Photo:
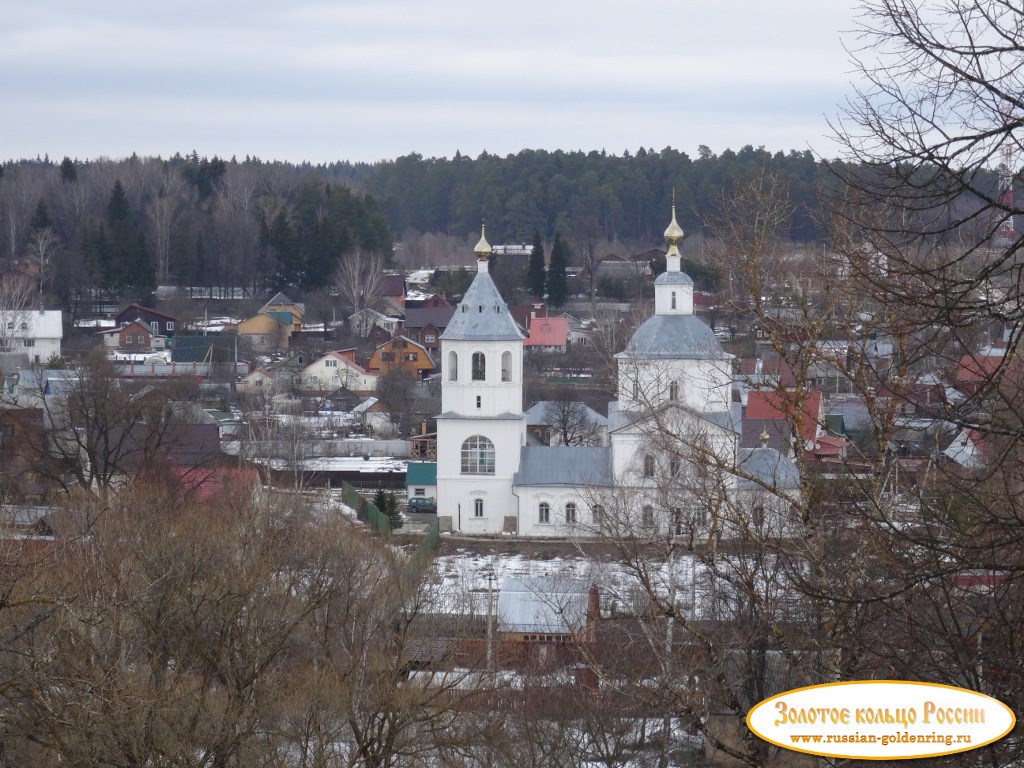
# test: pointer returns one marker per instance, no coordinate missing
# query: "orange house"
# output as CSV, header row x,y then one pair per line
x,y
403,354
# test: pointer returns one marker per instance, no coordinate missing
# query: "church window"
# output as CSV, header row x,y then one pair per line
x,y
598,512
479,366
673,390
678,523
758,517
479,401
673,299
636,390
506,366
570,513
453,366
477,456
478,507
674,465
544,513
647,516
648,465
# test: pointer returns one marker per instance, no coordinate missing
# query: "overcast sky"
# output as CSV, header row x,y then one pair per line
x,y
324,80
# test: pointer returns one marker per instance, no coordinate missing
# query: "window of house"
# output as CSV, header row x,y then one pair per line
x,y
419,491
673,390
479,366
10,326
388,357
453,366
506,366
169,325
570,513
544,513
678,522
331,363
429,338
28,343
648,466
478,507
24,326
477,456
647,516
410,357
155,326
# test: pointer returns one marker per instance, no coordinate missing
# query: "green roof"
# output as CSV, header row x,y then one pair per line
x,y
421,473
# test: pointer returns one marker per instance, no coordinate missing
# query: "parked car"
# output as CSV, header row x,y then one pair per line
x,y
422,504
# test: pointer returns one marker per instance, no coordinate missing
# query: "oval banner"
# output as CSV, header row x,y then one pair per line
x,y
881,720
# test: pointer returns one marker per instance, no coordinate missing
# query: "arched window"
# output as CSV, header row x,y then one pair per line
x,y
544,513
479,366
598,512
478,507
647,516
506,366
453,366
477,456
673,299
636,389
674,465
648,466
758,517
673,390
570,513
678,527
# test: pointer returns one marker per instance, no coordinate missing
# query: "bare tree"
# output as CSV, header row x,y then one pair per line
x,y
571,421
358,280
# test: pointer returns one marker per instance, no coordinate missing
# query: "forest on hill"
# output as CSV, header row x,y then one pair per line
x,y
124,226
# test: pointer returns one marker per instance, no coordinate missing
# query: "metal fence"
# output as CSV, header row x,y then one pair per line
x,y
368,513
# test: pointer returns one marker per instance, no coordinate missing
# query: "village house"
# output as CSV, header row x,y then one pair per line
x,y
135,336
404,354
36,332
335,370
160,323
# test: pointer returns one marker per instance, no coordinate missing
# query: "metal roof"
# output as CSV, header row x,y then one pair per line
x,y
767,467
681,337
538,414
564,465
673,278
482,315
421,473
542,605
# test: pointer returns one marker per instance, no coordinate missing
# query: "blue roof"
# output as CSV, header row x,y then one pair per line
x,y
767,468
421,473
681,337
574,466
482,315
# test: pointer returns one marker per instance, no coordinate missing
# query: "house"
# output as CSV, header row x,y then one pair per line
x,y
161,323
337,369
417,300
37,332
136,336
365,320
776,413
401,353
548,334
426,325
280,304
266,332
393,287
421,479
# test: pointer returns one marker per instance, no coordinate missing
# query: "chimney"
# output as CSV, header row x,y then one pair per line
x,y
593,613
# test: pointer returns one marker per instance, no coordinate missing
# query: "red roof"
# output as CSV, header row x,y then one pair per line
x,y
975,369
774,406
548,332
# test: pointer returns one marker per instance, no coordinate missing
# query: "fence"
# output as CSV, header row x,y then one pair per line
x,y
367,512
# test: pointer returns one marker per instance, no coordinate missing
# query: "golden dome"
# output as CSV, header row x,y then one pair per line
x,y
674,233
483,248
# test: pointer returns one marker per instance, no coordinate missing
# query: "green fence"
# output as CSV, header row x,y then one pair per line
x,y
367,512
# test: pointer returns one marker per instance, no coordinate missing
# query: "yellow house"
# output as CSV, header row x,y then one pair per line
x,y
404,354
266,332
281,303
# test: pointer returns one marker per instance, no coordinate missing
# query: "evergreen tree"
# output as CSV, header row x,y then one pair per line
x,y
41,218
558,286
535,277
68,171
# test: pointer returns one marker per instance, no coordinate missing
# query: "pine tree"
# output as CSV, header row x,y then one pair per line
x,y
535,277
558,286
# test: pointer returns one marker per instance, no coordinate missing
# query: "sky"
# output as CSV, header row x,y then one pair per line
x,y
328,80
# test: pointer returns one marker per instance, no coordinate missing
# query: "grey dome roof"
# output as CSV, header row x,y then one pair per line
x,y
767,467
482,315
673,278
682,337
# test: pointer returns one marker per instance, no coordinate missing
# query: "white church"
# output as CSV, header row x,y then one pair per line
x,y
673,464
